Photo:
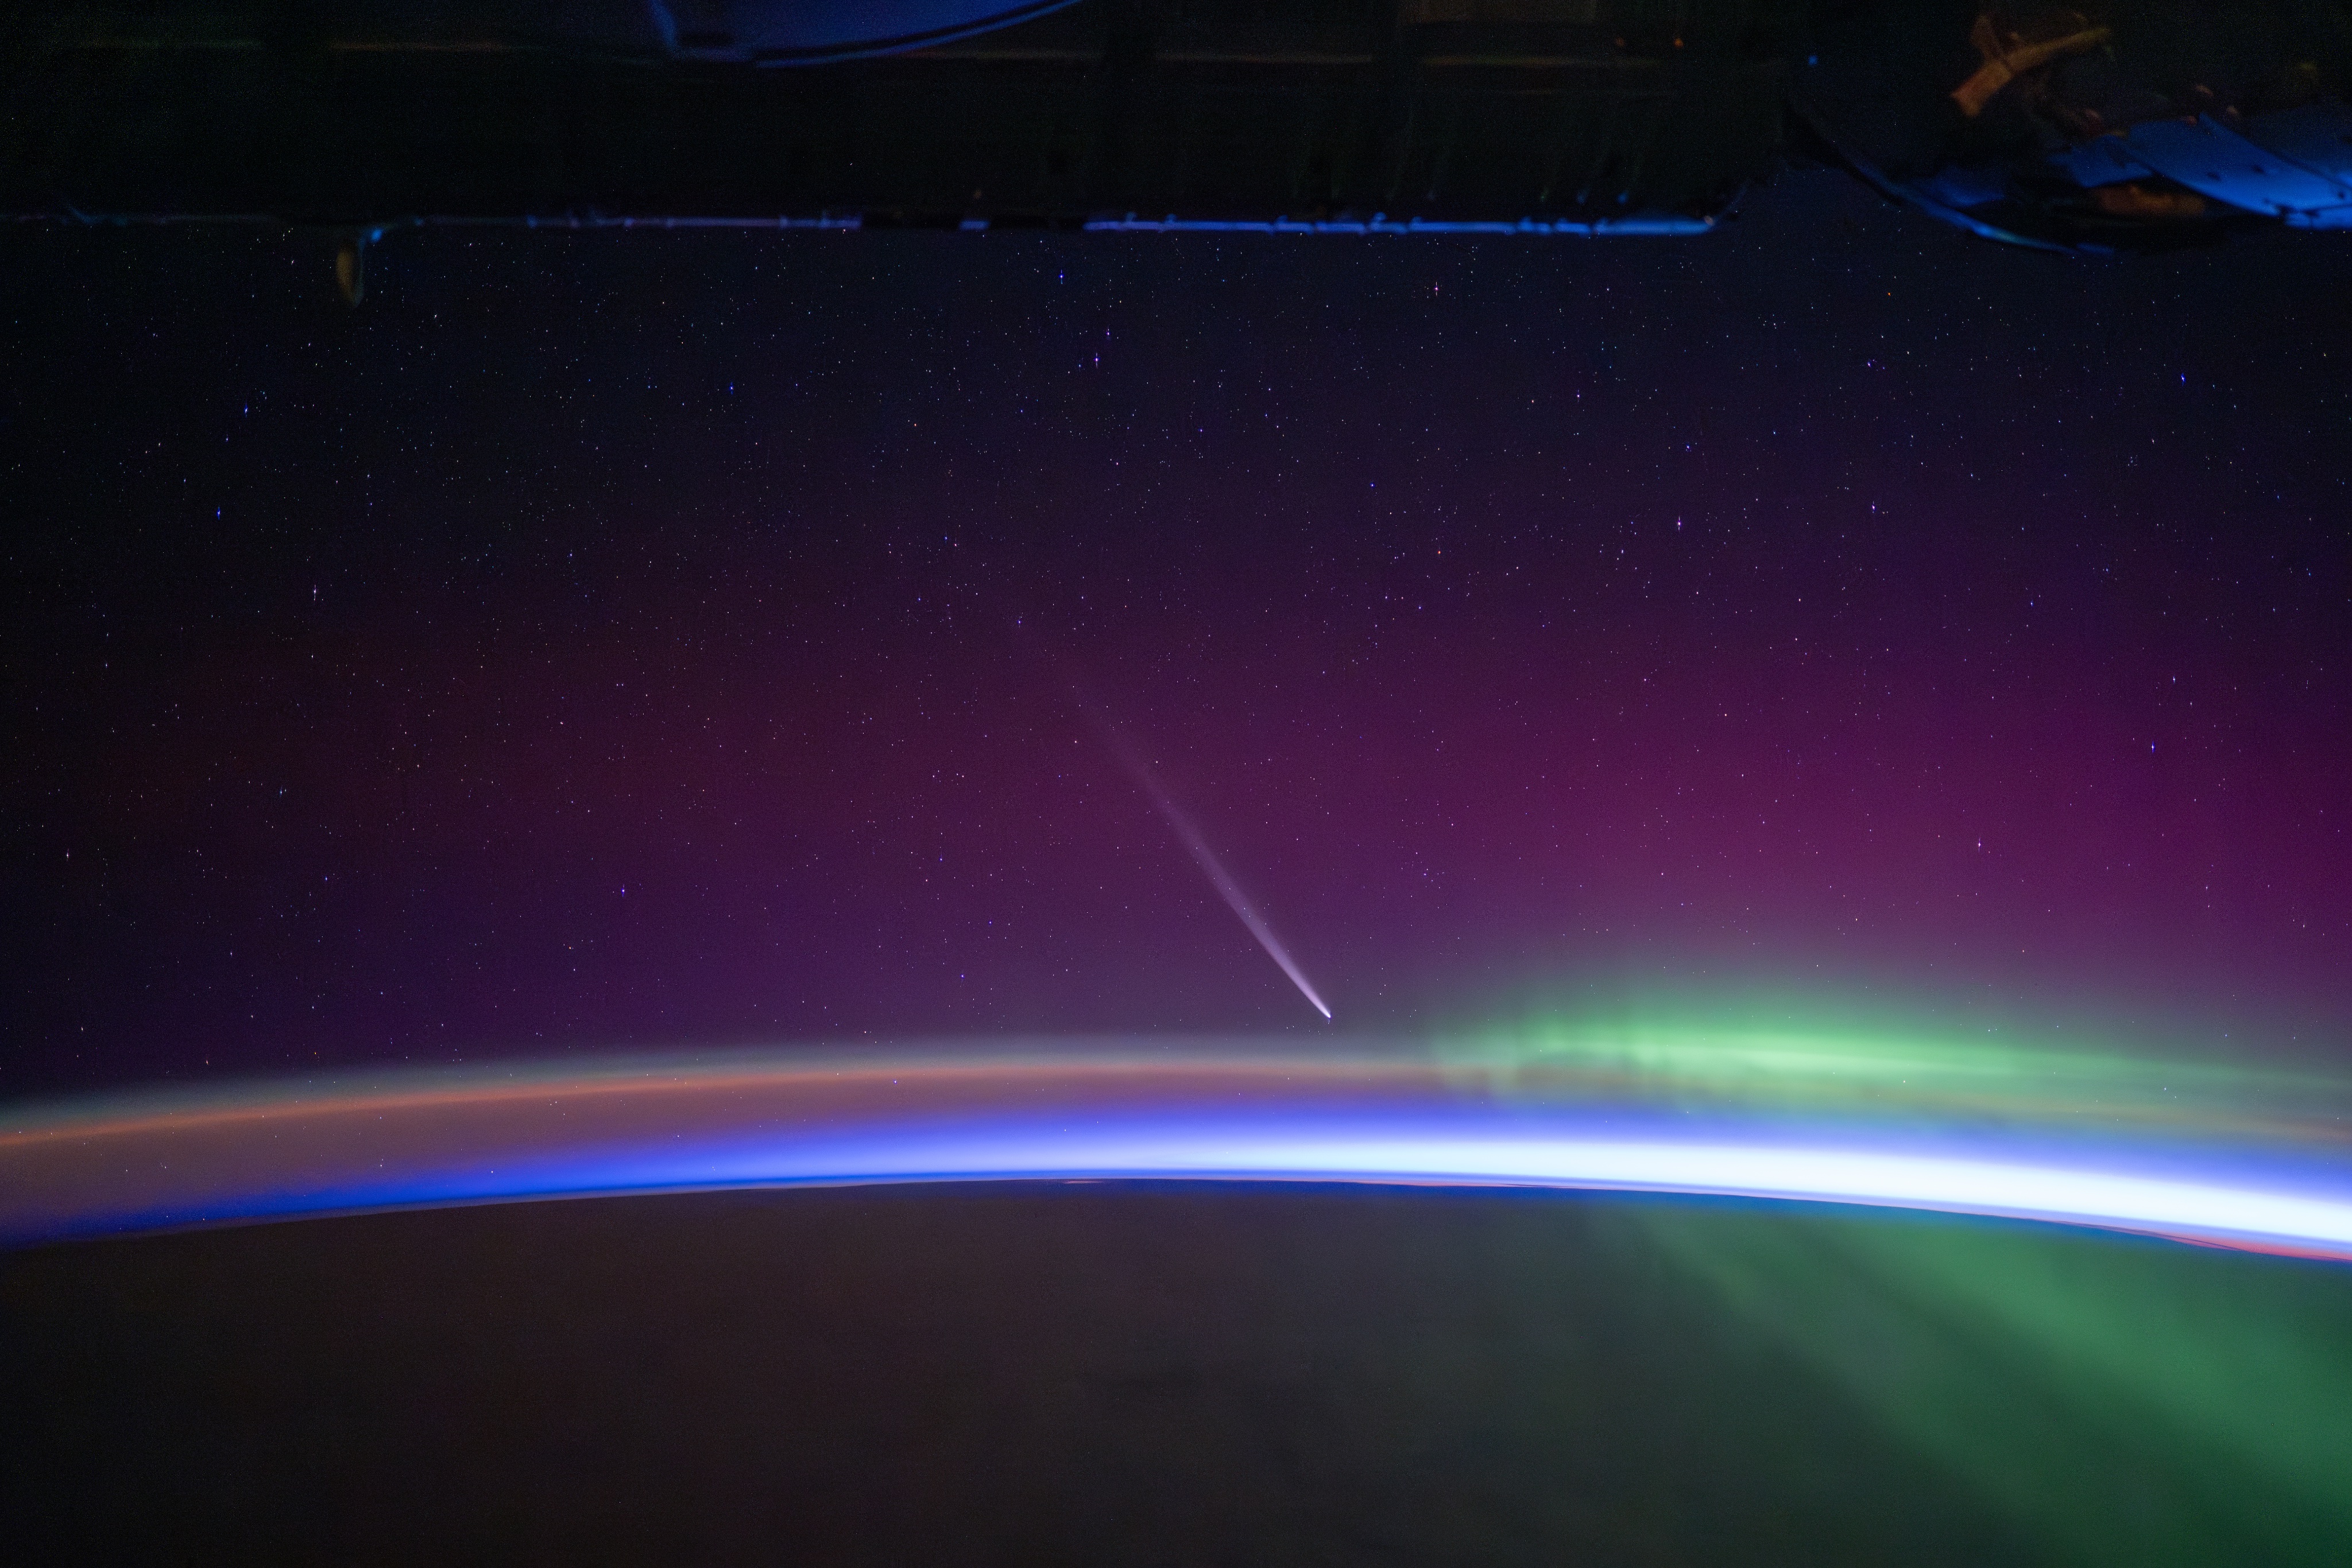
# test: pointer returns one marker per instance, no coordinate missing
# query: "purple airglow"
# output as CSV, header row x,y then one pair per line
x,y
397,1142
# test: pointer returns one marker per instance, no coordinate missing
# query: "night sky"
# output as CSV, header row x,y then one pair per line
x,y
643,641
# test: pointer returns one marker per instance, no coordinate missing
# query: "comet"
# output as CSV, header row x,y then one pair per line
x,y
1206,859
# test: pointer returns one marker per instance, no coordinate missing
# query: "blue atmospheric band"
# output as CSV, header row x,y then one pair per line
x,y
2198,1193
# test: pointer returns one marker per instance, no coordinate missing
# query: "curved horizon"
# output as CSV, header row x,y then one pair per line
x,y
654,1124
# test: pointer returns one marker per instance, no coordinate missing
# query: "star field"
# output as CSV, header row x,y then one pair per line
x,y
656,640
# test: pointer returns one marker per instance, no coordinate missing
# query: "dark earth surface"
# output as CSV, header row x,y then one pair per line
x,y
1153,1376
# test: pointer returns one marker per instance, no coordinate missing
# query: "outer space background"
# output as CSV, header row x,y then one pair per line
x,y
660,640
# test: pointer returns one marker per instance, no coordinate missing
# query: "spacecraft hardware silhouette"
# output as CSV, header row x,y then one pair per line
x,y
2104,125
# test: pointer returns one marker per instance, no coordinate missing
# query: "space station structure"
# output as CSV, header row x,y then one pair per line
x,y
2095,125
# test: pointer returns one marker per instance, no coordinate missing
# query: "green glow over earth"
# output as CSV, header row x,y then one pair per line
x,y
2117,1400
1821,1055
